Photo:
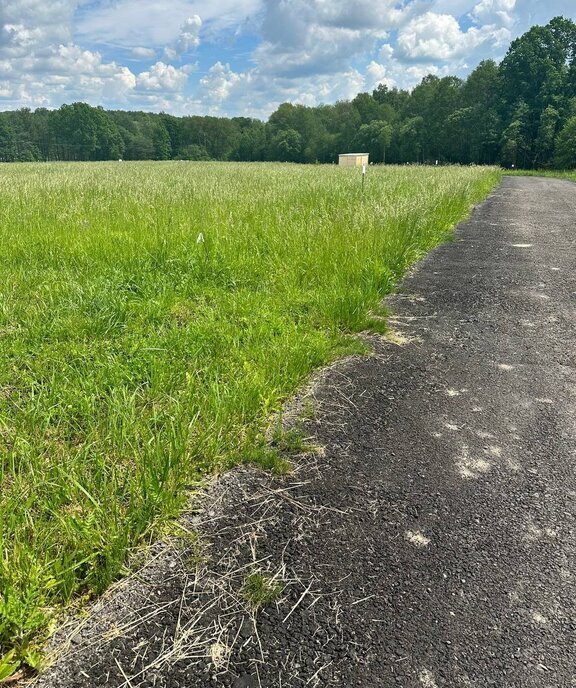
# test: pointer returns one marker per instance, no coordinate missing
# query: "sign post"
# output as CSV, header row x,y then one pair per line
x,y
363,176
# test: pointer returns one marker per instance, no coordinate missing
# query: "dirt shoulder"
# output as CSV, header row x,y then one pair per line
x,y
432,542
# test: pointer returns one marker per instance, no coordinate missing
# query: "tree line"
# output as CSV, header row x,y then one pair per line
x,y
521,112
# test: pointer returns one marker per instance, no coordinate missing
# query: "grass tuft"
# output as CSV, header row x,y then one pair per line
x,y
261,589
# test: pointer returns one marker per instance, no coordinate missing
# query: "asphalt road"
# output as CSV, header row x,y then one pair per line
x,y
433,544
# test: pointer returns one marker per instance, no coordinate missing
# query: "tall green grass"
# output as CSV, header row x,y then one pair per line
x,y
152,318
560,174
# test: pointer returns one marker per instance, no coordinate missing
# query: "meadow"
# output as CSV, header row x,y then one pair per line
x,y
153,319
558,174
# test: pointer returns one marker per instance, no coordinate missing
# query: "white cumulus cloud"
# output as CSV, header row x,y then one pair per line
x,y
162,77
376,74
34,24
43,66
188,39
217,85
439,37
305,37
189,35
498,12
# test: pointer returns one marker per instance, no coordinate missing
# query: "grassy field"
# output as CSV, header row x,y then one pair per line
x,y
153,317
561,174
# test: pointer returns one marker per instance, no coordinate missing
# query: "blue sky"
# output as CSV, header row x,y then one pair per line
x,y
244,57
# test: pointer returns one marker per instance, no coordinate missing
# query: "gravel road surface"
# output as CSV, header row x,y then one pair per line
x,y
432,544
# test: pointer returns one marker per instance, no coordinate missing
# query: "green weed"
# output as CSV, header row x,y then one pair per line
x,y
261,589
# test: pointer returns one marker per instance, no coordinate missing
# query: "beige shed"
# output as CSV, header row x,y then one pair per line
x,y
353,159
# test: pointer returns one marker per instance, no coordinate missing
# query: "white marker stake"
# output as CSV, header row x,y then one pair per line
x,y
363,175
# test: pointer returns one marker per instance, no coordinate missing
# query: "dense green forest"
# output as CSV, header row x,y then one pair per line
x,y
521,112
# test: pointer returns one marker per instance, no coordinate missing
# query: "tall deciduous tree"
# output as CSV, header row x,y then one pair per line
x,y
81,132
537,70
546,137
516,138
7,143
565,153
375,138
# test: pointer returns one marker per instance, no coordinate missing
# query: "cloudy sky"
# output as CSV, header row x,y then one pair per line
x,y
244,57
